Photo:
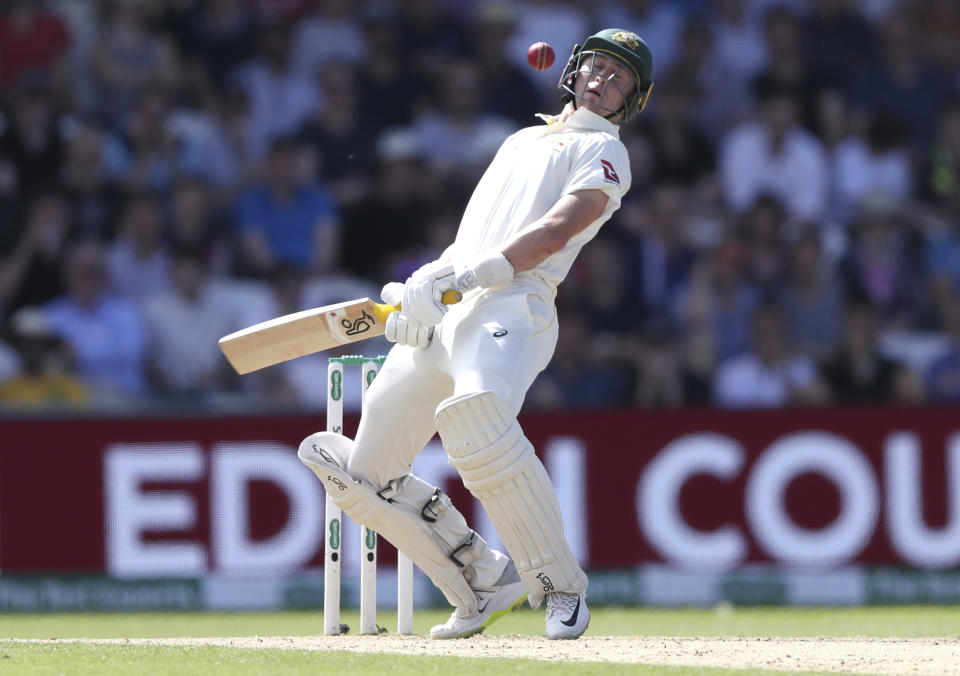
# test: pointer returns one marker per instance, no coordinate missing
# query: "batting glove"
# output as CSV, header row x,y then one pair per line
x,y
423,291
404,331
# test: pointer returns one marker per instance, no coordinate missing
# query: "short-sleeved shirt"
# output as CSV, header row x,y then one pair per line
x,y
533,169
108,340
289,227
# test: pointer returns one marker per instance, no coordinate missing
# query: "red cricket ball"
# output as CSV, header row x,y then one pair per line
x,y
540,55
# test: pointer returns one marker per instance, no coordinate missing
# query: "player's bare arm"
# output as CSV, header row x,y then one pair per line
x,y
569,216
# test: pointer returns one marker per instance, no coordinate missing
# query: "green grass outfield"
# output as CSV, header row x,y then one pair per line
x,y
109,660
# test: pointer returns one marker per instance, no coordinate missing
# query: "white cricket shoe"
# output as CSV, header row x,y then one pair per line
x,y
567,615
505,596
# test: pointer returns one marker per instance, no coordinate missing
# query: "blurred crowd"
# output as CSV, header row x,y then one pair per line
x,y
172,170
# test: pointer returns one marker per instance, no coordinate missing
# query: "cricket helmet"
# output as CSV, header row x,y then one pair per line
x,y
628,49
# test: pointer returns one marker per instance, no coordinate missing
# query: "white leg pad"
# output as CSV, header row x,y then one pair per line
x,y
498,465
414,516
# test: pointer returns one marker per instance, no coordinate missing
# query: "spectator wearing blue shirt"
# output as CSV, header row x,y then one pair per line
x,y
286,220
943,375
105,332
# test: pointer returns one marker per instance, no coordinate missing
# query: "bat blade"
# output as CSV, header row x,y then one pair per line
x,y
302,333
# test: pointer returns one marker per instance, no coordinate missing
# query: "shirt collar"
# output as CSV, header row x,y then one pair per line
x,y
582,119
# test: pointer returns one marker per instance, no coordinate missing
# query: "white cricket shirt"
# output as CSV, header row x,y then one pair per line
x,y
533,169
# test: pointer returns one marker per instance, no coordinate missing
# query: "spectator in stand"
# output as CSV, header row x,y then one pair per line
x,y
938,21
787,62
195,225
659,259
657,21
723,98
720,294
770,374
837,40
664,378
280,97
341,138
214,37
882,265
508,90
603,291
812,298
900,82
183,326
877,166
402,190
32,40
159,146
45,379
942,378
774,154
386,76
939,176
460,136
330,33
104,331
857,372
942,269
430,34
31,139
580,376
557,22
31,274
138,260
89,176
681,151
760,230
288,219
128,55
739,45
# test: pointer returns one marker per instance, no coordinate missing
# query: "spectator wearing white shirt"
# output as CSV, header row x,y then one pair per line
x,y
877,166
770,374
183,326
774,154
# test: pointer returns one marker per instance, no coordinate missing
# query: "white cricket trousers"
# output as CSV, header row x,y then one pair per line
x,y
497,341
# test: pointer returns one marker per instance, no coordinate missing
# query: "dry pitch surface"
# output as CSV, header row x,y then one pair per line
x,y
930,656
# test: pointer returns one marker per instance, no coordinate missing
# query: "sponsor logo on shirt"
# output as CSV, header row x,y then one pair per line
x,y
609,174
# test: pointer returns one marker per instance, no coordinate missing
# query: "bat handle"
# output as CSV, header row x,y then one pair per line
x,y
451,297
382,311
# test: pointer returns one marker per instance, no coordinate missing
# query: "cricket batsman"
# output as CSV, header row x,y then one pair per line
x,y
463,370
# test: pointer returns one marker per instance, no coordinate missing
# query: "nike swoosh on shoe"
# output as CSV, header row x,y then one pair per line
x,y
573,618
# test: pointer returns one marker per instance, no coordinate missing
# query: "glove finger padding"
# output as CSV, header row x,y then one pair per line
x,y
422,294
401,329
392,293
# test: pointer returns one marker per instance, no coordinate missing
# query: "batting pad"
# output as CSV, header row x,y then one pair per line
x,y
414,516
498,465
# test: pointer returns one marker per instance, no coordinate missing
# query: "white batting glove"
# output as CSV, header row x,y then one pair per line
x,y
423,291
392,293
403,330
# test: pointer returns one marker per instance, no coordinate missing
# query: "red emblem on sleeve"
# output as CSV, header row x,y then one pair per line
x,y
609,173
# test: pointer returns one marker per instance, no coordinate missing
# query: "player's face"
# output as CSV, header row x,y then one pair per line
x,y
603,84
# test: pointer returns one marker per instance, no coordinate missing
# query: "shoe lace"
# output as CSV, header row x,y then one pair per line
x,y
561,604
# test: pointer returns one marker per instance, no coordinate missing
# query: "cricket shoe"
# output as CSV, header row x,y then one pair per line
x,y
567,615
505,596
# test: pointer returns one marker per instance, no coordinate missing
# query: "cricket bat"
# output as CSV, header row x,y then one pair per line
x,y
302,333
